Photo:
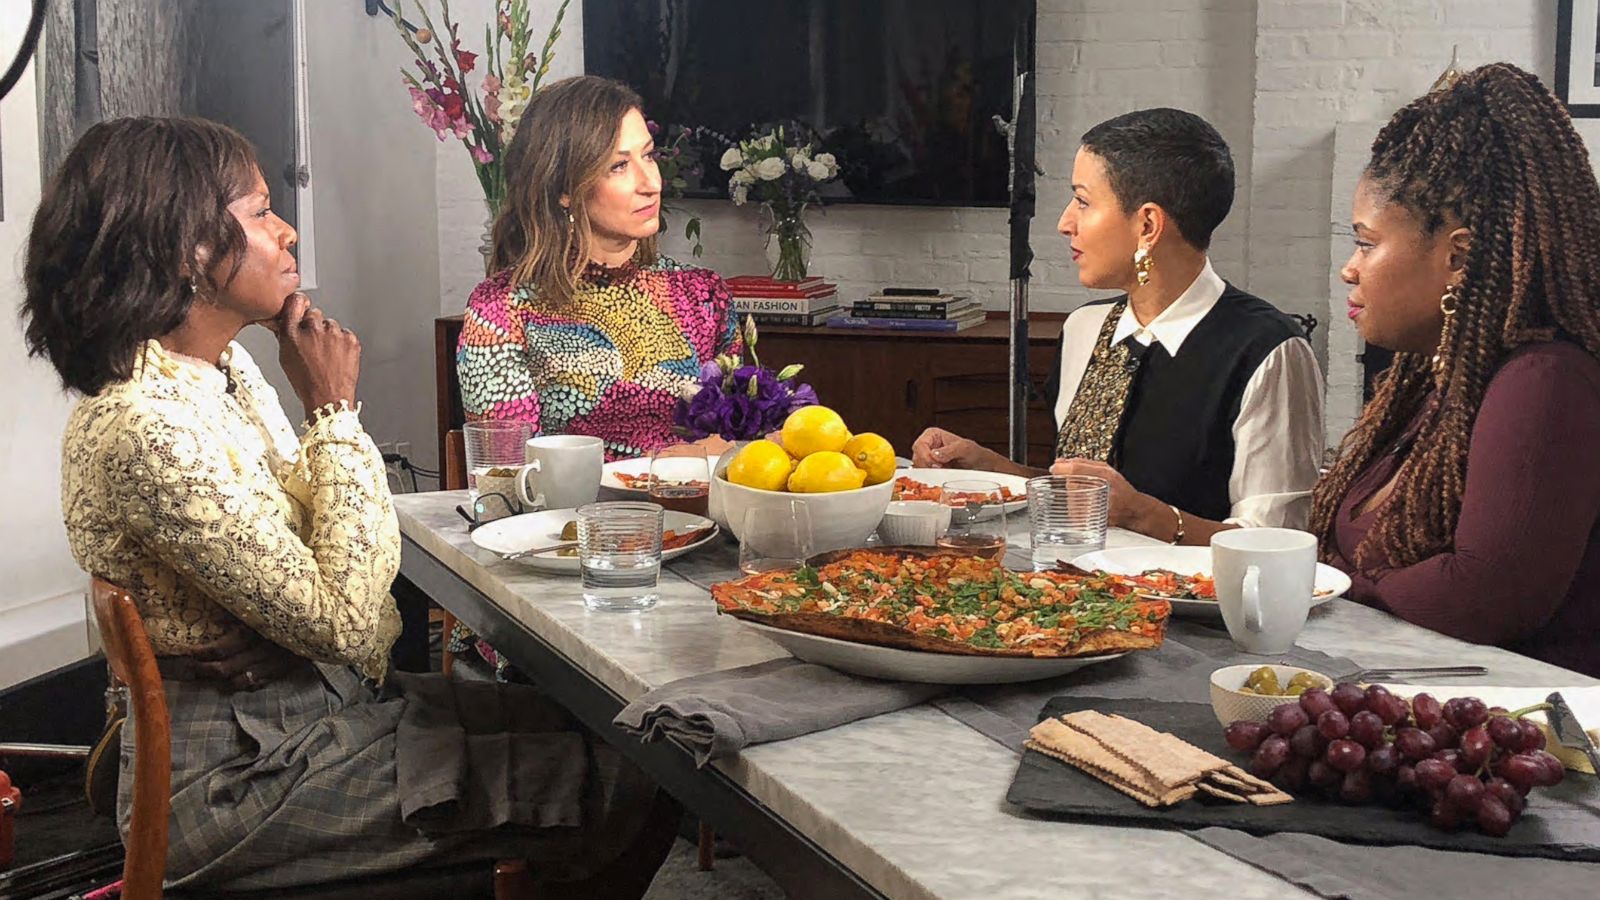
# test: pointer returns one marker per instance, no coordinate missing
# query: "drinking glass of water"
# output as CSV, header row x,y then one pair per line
x,y
494,449
619,554
1067,517
775,538
680,479
977,518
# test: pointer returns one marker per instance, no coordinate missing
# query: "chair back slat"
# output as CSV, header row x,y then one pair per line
x,y
133,662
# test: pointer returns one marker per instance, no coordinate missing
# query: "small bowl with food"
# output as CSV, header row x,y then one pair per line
x,y
1252,692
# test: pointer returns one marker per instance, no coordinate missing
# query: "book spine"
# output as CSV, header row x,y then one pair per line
x,y
800,319
781,304
778,287
895,324
910,292
896,312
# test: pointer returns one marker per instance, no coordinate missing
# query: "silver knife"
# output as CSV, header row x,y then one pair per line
x,y
1568,732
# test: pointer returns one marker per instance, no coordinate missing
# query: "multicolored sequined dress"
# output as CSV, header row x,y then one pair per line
x,y
609,363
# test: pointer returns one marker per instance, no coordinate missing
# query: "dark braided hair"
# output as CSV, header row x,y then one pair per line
x,y
1496,153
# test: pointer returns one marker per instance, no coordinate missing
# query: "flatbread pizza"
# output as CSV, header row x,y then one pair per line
x,y
945,602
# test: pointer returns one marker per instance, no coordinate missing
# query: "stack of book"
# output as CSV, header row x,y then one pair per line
x,y
912,309
809,301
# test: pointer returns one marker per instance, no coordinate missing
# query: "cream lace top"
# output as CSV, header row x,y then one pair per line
x,y
205,506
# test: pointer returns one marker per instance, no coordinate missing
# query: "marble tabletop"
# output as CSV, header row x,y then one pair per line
x,y
913,801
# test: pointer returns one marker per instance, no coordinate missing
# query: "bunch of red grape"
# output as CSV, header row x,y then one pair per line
x,y
1461,761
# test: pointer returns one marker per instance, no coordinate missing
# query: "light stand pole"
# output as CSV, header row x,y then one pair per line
x,y
1019,134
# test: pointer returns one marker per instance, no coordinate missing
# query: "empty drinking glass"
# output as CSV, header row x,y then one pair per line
x,y
680,479
775,538
977,518
495,449
619,555
1067,516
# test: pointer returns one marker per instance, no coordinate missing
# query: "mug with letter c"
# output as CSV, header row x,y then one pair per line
x,y
563,472
1264,579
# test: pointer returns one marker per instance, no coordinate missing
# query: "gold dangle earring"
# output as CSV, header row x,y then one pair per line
x,y
1448,302
1143,265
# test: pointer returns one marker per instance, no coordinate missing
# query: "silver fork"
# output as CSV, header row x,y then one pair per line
x,y
1398,673
535,551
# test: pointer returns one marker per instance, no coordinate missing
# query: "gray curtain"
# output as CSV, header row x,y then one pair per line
x,y
107,58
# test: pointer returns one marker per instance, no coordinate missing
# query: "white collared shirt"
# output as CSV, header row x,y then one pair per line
x,y
1277,434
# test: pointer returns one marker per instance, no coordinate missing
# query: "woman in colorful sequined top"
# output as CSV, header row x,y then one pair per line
x,y
583,328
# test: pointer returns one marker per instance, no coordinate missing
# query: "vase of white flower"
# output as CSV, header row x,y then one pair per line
x,y
788,243
783,178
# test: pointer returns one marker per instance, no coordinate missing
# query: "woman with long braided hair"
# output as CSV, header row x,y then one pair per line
x,y
1467,497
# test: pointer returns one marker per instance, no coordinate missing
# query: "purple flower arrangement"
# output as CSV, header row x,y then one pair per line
x,y
740,401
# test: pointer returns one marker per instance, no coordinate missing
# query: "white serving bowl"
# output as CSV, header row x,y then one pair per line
x,y
913,523
839,521
1231,705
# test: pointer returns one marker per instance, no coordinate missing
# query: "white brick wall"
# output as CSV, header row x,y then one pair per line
x,y
1277,78
1327,64
1097,58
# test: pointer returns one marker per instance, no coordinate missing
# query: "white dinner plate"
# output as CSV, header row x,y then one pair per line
x,y
514,534
1016,483
638,467
1330,582
893,663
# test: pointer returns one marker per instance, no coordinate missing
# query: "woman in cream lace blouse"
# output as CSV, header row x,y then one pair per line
x,y
262,560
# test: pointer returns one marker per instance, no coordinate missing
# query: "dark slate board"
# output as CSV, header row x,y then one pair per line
x,y
1562,822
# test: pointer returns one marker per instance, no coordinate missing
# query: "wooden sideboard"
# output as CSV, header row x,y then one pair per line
x,y
895,383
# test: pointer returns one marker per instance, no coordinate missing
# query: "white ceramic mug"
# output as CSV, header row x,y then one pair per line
x,y
563,472
1265,578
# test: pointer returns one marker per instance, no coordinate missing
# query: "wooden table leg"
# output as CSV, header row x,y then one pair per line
x,y
707,844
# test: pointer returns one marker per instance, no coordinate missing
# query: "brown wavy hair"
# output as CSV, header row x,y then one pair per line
x,y
128,232
563,146
1497,153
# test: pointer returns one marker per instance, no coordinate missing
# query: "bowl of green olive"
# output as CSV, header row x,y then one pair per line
x,y
1251,692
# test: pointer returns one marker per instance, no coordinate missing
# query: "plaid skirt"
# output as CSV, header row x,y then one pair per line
x,y
318,777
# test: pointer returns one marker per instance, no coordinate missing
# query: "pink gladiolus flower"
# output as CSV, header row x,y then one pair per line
x,y
429,111
480,155
491,83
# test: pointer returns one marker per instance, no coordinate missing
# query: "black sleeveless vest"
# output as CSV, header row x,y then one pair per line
x,y
1175,441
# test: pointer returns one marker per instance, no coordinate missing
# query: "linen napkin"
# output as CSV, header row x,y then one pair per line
x,y
719,713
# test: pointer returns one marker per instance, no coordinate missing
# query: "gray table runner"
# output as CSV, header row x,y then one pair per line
x,y
1354,872
720,713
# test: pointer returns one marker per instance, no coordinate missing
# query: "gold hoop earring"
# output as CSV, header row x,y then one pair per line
x,y
1143,265
1449,302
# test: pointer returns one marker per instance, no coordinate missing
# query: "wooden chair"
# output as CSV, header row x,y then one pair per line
x,y
133,662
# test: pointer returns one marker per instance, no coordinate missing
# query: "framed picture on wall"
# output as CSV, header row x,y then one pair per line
x,y
1578,56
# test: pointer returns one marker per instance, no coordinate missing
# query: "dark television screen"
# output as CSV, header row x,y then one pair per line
x,y
902,92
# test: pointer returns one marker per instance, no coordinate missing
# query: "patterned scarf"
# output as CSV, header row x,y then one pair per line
x,y
1090,428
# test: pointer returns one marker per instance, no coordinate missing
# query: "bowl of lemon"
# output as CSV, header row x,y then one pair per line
x,y
845,479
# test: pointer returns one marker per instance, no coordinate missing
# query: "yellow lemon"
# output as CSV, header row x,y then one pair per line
x,y
871,454
824,472
813,429
762,465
